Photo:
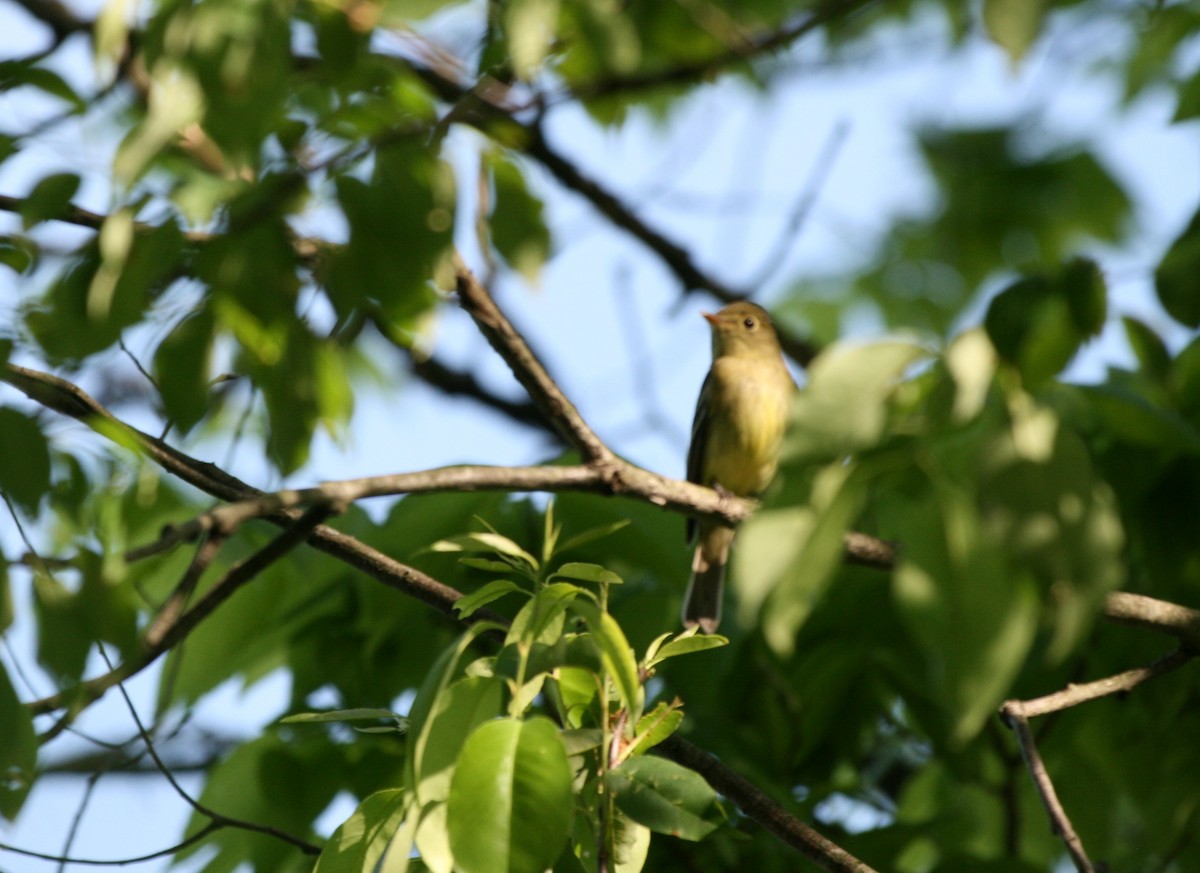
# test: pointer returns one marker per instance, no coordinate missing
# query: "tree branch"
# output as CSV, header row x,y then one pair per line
x,y
1138,610
759,806
476,108
1075,694
62,396
216,818
167,634
704,69
1059,822
56,16
529,371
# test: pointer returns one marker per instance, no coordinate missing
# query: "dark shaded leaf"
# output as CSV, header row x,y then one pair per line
x,y
25,461
1177,278
49,198
665,797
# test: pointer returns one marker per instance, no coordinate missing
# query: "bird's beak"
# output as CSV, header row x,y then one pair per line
x,y
711,318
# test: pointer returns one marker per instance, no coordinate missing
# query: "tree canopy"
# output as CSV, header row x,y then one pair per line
x,y
963,618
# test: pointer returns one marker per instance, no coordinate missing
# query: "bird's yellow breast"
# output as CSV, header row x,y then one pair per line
x,y
750,411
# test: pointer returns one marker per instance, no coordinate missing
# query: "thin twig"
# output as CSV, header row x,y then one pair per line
x,y
741,52
819,174
79,697
1075,694
215,817
120,862
77,818
1059,822
172,608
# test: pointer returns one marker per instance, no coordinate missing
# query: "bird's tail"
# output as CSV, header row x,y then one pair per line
x,y
702,602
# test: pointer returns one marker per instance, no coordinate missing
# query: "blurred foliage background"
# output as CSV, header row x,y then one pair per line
x,y
233,222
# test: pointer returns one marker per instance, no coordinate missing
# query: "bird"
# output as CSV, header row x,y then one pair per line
x,y
737,433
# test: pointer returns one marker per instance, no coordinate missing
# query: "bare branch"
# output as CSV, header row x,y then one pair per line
x,y
1137,610
1059,822
529,371
1075,694
755,803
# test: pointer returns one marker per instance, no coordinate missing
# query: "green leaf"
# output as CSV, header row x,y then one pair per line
x,y
49,198
339,715
16,73
1132,417
684,644
1038,323
486,541
106,288
530,28
655,726
844,408
1013,24
517,226
360,841
592,534
629,845
457,711
494,590
617,655
511,803
371,267
665,797
580,740
182,365
18,254
541,619
972,612
486,565
1176,279
786,557
63,639
25,461
272,783
1148,348
18,752
588,573
432,700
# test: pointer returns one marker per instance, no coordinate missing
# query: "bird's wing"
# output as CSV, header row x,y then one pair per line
x,y
700,431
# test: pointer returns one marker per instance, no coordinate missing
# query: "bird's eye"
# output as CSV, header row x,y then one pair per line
x,y
750,323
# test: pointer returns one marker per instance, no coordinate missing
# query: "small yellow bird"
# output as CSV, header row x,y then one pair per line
x,y
736,436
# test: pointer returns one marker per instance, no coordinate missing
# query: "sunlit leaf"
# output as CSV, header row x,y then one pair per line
x,y
360,841
619,661
510,805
